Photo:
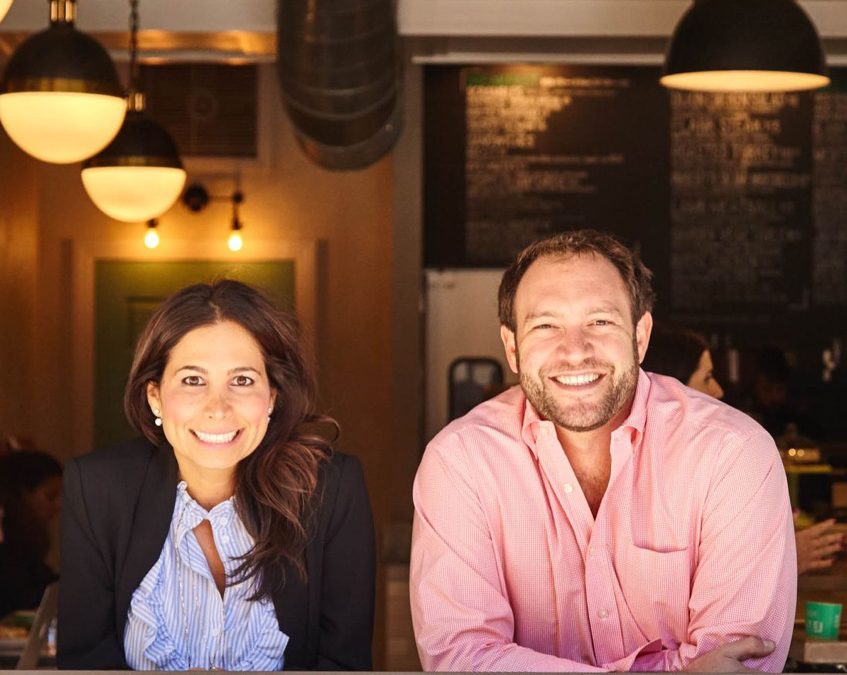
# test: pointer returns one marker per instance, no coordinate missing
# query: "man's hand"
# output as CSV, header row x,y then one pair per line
x,y
729,658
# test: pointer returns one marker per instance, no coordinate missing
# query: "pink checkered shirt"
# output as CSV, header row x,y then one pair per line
x,y
692,547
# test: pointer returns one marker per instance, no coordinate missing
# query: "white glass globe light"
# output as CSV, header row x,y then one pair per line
x,y
60,96
133,193
61,127
4,7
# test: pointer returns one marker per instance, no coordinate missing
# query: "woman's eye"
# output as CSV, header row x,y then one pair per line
x,y
242,381
192,380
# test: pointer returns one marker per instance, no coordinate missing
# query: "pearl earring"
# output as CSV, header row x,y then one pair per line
x,y
158,420
270,410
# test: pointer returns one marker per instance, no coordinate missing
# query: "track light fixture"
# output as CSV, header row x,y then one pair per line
x,y
196,197
235,242
151,237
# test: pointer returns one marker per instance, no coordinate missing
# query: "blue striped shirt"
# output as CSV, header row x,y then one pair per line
x,y
177,618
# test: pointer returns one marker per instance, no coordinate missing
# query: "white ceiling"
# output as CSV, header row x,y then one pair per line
x,y
233,29
170,15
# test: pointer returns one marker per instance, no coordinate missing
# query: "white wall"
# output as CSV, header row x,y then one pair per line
x,y
461,320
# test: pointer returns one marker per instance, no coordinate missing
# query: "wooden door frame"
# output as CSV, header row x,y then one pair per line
x,y
84,255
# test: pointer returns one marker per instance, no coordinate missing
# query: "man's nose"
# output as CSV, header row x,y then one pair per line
x,y
574,342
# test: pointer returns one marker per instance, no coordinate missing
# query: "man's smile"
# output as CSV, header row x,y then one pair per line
x,y
580,380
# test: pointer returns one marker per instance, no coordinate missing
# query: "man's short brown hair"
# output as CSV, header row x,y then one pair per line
x,y
635,275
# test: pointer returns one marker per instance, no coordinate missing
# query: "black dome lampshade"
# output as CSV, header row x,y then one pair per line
x,y
745,45
60,97
139,175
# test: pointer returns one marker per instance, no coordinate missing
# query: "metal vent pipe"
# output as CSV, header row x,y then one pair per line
x,y
338,68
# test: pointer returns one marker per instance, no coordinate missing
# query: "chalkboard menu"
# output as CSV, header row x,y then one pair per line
x,y
516,153
740,201
737,202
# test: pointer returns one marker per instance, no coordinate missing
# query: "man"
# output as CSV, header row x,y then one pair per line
x,y
596,517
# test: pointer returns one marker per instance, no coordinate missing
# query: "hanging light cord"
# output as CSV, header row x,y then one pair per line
x,y
136,98
237,198
62,11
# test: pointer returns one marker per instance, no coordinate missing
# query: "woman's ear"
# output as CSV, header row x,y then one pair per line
x,y
153,398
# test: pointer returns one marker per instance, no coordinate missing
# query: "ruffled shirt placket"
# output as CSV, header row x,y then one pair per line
x,y
178,619
189,553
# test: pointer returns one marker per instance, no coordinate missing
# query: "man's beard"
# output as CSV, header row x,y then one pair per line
x,y
581,416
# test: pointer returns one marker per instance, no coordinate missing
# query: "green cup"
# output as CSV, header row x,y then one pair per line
x,y
823,620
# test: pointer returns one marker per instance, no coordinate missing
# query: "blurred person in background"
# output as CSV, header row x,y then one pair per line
x,y
30,499
684,354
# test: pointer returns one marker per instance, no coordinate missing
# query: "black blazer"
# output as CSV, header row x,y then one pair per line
x,y
116,512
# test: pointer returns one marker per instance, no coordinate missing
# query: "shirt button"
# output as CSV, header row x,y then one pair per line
x,y
603,613
224,539
568,488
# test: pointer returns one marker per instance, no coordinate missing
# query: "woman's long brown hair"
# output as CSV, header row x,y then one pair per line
x,y
275,484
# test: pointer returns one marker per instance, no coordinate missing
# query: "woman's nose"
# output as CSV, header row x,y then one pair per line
x,y
217,405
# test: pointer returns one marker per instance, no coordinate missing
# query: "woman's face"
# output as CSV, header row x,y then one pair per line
x,y
703,379
43,503
214,398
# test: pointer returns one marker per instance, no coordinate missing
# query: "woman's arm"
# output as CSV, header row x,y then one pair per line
x,y
87,635
348,575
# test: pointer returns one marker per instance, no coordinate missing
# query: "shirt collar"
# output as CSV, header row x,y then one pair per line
x,y
532,425
189,514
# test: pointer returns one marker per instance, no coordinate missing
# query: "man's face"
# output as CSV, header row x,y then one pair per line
x,y
575,347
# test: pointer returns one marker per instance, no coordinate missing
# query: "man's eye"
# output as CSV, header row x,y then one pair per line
x,y
192,380
602,322
242,381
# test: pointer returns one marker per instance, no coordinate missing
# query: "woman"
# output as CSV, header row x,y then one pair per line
x,y
232,537
685,355
30,498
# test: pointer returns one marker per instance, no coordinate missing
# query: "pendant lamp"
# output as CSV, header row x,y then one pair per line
x,y
139,175
4,7
60,97
745,45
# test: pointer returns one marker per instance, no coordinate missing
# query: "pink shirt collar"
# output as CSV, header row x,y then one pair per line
x,y
634,423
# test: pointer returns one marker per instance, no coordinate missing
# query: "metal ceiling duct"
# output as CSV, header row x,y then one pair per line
x,y
339,71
